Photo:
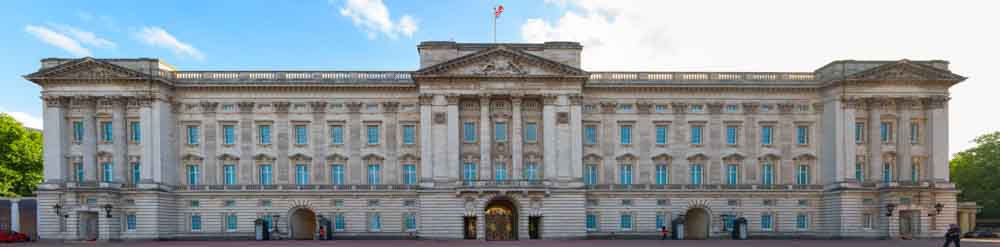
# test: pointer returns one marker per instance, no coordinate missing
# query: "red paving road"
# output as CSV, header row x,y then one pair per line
x,y
540,243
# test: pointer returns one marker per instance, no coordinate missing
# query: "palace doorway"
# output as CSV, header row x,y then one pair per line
x,y
470,227
303,224
501,220
696,224
88,226
908,223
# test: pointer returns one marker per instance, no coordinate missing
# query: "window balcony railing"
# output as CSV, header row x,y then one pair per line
x,y
507,183
697,187
297,187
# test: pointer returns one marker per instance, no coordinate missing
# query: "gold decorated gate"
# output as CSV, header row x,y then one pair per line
x,y
501,222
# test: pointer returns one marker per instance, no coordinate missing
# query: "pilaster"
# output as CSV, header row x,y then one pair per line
x,y
937,110
516,138
212,171
120,139
319,143
485,139
89,143
875,108
56,169
904,160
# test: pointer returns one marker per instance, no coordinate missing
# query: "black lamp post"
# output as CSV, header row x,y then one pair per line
x,y
58,209
107,210
938,207
889,208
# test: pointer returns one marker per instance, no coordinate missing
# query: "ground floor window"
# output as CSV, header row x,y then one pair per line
x,y
196,223
339,222
766,223
802,221
410,220
130,222
591,222
231,222
626,222
375,222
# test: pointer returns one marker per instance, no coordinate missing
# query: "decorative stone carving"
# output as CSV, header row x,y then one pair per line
x,y
500,65
576,99
714,107
390,107
877,102
318,106
818,107
750,107
679,107
549,99
281,107
208,107
644,107
936,102
354,107
440,117
608,107
452,99
426,99
786,107
56,101
245,107
562,117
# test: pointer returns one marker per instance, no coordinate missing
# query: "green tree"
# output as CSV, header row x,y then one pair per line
x,y
976,171
20,158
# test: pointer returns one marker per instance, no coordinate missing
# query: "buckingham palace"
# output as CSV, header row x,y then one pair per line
x,y
508,141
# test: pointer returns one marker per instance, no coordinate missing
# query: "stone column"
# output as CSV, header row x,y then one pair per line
x,y
904,161
606,142
681,136
427,168
283,169
248,168
148,142
15,215
451,159
392,170
89,143
120,141
847,143
517,138
875,107
485,139
713,138
937,141
210,164
356,170
55,138
551,142
320,143
576,138
644,136
748,139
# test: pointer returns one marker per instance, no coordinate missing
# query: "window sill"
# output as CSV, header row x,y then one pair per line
x,y
661,145
337,145
372,144
301,145
191,145
732,145
803,145
697,145
228,145
263,145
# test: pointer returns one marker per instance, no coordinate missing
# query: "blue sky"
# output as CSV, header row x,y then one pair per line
x,y
710,35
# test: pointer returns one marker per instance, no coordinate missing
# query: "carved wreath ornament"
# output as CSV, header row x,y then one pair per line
x,y
500,66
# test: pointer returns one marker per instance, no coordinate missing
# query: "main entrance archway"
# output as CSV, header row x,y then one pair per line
x,y
303,224
501,219
696,224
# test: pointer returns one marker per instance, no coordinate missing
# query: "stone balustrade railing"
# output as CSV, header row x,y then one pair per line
x,y
288,76
711,187
296,187
653,77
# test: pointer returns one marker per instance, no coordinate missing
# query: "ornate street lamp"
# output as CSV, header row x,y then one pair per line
x,y
889,208
58,209
107,210
938,207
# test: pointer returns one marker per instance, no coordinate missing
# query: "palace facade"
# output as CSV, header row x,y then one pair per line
x,y
495,142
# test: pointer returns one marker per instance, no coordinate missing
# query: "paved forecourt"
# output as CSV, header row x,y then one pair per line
x,y
545,243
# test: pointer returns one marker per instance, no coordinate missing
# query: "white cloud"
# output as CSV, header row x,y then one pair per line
x,y
789,35
88,38
373,17
157,37
26,119
58,40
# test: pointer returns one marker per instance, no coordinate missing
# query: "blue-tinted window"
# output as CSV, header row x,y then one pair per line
x,y
590,134
625,174
337,174
301,135
662,174
732,174
229,174
373,134
136,132
228,134
77,131
265,134
109,171
696,134
374,174
192,174
626,222
410,221
802,221
500,171
108,131
802,175
765,135
469,131
590,174
265,174
301,174
196,222
339,222
136,173
886,131
765,222
591,222
696,174
337,135
859,132
231,222
859,171
731,135
409,134
410,174
767,174
193,135
626,134
531,171
661,135
130,222
79,172
469,172
375,222
531,132
802,135
500,131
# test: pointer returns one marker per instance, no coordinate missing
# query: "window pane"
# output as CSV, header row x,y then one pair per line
x,y
469,132
301,135
192,135
661,135
229,134
590,134
230,174
338,174
409,134
136,132
265,134
859,132
500,172
373,133
626,135
696,135
409,174
625,174
469,172
500,131
337,134
731,135
373,174
661,174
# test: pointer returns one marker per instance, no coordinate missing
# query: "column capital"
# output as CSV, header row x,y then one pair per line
x,y
484,100
575,99
245,107
750,107
390,107
56,101
516,100
353,107
877,103
817,107
714,107
644,107
452,99
426,99
318,106
851,102
608,107
550,99
208,107
679,107
935,102
281,107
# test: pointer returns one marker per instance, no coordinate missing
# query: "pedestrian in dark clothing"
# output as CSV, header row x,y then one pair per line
x,y
664,232
953,235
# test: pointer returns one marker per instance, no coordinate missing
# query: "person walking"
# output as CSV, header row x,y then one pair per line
x,y
954,234
664,233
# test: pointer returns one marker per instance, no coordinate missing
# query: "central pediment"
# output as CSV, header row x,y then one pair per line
x,y
500,62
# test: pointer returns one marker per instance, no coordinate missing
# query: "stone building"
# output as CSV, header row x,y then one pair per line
x,y
493,141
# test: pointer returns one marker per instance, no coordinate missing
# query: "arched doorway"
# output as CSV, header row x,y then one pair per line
x,y
501,219
303,224
696,224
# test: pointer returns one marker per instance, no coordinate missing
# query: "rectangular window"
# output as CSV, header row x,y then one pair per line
x,y
732,108
339,222
732,174
531,171
375,222
229,173
231,222
136,131
765,135
228,134
192,172
409,174
731,135
802,135
765,222
410,221
767,174
301,174
193,135
626,222
661,134
77,131
409,134
469,172
696,135
374,174
696,174
590,134
373,133
79,171
591,222
337,134
859,171
625,174
195,222
301,134
802,175
661,220
885,131
662,174
727,222
500,171
887,172
270,221
265,134
469,131
265,174
859,132
109,171
914,133
108,131
802,221
867,221
130,222
500,131
337,174
531,132
136,173
590,174
626,134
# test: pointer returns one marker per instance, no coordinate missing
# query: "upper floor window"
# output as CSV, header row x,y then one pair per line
x,y
625,107
409,134
469,172
500,171
373,134
766,137
108,133
732,108
661,108
337,174
626,134
802,135
590,174
914,133
136,173
469,132
229,174
765,108
337,134
228,108
885,131
732,174
697,108
859,132
193,135
301,174
859,170
228,134
374,174
193,173
625,174
109,171
732,135
301,134
531,132
767,173
265,134
590,134
500,131
409,174
661,134
265,175
696,132
78,131
531,171
662,174
696,174
802,174
136,133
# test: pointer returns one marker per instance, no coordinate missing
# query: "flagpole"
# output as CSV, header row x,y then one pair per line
x,y
493,16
